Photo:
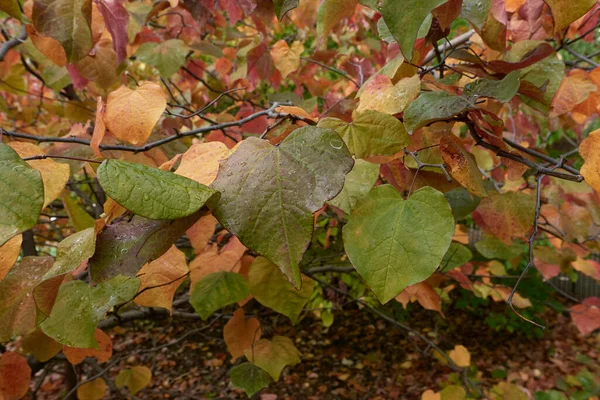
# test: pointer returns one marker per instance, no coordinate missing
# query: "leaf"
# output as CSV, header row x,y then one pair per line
x,y
286,58
476,11
463,166
491,247
72,251
99,127
9,252
573,90
507,216
55,175
462,202
588,149
201,161
586,316
200,233
150,192
116,18
216,291
370,134
132,114
78,217
124,247
161,278
135,378
404,19
15,375
167,57
79,307
446,13
76,355
99,67
433,106
271,289
240,333
213,260
273,355
17,306
41,346
394,243
21,194
248,377
11,7
461,356
565,12
283,6
588,267
456,256
331,12
424,293
280,189
358,183
68,21
380,94
93,390
502,90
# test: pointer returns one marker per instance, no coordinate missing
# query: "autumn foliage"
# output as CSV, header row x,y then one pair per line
x,y
205,159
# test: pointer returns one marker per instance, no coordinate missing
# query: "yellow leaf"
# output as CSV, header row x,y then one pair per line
x,y
564,12
132,114
240,333
460,355
381,95
430,395
201,161
55,175
9,252
330,13
94,390
40,345
588,149
161,278
285,58
135,378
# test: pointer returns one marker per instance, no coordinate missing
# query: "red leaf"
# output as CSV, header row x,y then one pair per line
x,y
116,18
586,316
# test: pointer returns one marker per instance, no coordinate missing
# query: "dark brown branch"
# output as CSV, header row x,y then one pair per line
x,y
11,43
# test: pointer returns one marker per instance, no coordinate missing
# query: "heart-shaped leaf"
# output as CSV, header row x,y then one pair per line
x,y
150,192
269,193
394,243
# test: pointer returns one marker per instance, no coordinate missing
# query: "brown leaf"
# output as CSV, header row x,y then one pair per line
x,y
76,355
14,376
201,232
240,333
463,166
588,149
99,128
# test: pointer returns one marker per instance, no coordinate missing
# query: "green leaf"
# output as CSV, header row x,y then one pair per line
x,y
502,90
372,133
358,184
11,7
462,202
394,243
167,57
135,378
283,6
17,307
124,247
272,289
79,307
78,217
269,193
491,247
273,355
72,251
404,19
433,106
151,192
476,11
21,194
250,378
457,255
218,290
67,21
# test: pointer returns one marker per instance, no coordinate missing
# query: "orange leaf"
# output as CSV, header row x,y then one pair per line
x,y
201,162
586,316
99,128
461,356
132,114
163,275
588,267
201,232
76,355
286,58
463,166
14,376
48,46
588,149
573,90
9,252
213,261
240,333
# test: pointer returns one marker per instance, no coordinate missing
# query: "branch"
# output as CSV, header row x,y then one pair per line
x,y
269,112
332,69
453,43
11,43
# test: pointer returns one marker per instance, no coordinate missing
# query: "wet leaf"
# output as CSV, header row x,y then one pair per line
x,y
404,250
216,291
167,56
76,355
280,189
72,251
358,184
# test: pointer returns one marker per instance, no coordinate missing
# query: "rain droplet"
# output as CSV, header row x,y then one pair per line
x,y
336,144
